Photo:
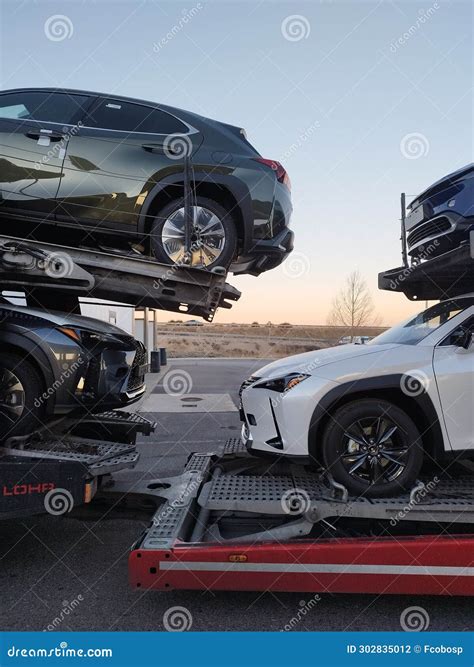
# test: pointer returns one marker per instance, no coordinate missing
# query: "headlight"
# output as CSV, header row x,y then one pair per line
x,y
86,337
284,383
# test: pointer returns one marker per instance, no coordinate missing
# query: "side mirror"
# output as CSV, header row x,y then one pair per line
x,y
464,339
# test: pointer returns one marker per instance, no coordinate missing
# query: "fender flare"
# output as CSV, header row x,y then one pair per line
x,y
40,359
234,185
423,404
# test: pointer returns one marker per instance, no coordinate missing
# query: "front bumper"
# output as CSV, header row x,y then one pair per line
x,y
278,423
438,234
115,377
265,254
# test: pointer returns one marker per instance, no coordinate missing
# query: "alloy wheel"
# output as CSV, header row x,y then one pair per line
x,y
374,450
207,238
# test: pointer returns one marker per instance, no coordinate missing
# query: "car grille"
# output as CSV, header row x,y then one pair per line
x,y
137,373
428,230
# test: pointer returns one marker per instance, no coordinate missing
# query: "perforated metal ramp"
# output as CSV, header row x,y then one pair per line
x,y
448,500
81,450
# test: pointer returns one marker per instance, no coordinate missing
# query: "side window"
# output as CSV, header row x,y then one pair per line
x,y
455,336
45,106
129,117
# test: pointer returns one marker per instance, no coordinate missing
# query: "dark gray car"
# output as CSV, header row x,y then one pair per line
x,y
54,364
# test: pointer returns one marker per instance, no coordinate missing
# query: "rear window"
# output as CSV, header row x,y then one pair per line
x,y
129,117
46,106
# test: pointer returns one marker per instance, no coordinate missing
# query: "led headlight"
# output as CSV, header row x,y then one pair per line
x,y
86,337
284,383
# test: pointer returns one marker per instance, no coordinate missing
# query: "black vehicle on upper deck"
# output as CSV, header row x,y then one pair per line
x,y
95,169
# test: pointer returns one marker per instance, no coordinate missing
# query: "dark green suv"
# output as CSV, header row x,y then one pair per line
x,y
85,168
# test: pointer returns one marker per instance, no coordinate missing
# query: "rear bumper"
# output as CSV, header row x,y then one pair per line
x,y
265,254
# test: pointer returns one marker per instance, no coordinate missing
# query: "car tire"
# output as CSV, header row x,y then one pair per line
x,y
21,387
224,225
355,459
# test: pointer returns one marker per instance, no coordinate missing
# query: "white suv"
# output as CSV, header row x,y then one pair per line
x,y
371,413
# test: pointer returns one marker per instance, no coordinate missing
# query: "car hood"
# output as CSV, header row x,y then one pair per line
x,y
59,319
449,178
311,362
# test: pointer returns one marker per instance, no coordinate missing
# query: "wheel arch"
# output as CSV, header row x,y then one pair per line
x,y
419,408
23,347
228,191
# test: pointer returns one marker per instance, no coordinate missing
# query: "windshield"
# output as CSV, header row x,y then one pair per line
x,y
416,328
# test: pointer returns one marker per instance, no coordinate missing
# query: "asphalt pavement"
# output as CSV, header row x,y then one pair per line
x,y
75,569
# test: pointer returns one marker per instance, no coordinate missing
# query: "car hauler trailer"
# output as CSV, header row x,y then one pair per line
x,y
232,522
65,464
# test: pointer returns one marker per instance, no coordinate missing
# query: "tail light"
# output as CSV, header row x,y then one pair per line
x,y
278,168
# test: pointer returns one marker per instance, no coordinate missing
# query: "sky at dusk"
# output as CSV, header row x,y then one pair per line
x,y
359,100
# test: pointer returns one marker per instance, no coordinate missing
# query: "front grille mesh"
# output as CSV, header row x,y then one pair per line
x,y
428,230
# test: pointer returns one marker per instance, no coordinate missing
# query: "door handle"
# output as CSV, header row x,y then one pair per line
x,y
39,135
154,148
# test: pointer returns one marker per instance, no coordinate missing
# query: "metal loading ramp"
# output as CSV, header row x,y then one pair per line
x,y
226,524
443,277
56,275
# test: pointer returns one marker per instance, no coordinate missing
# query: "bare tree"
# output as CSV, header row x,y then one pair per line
x,y
353,307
